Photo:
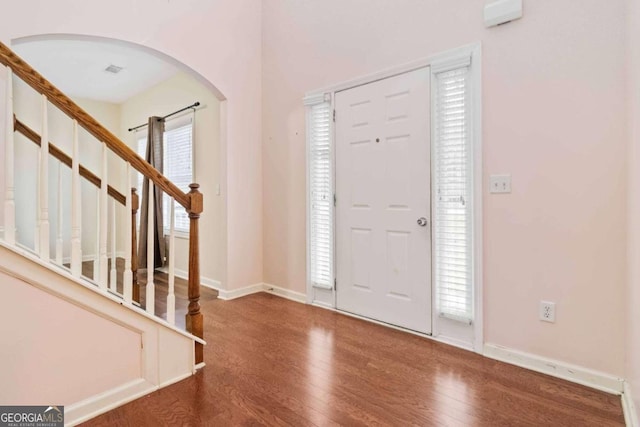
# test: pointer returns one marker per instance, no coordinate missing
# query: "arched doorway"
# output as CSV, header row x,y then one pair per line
x,y
121,84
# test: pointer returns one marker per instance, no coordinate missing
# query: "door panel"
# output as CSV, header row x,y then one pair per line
x,y
383,187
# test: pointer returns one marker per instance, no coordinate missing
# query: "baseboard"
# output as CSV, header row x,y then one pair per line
x,y
211,283
324,305
464,345
241,292
285,293
204,281
629,407
262,287
577,374
84,410
176,379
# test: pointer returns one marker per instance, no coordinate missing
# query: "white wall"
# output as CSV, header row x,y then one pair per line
x,y
27,108
219,39
553,85
108,115
63,354
171,95
553,117
632,372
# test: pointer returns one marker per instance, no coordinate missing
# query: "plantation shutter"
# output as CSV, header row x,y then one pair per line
x,y
320,195
452,204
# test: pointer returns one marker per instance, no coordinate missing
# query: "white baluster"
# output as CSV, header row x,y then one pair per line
x,y
36,238
104,218
9,194
171,296
44,185
96,258
76,207
151,291
59,240
113,272
127,277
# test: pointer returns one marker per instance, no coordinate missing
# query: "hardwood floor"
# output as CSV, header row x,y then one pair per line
x,y
275,362
160,281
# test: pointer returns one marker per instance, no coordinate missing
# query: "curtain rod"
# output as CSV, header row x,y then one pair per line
x,y
194,105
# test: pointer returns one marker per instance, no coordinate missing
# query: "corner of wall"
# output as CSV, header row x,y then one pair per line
x,y
632,320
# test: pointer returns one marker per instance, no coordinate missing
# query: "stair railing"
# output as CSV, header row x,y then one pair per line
x,y
108,196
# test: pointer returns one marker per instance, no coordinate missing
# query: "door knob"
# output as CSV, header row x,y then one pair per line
x,y
422,222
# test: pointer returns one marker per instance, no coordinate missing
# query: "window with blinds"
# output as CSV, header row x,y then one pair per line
x,y
178,167
452,195
320,195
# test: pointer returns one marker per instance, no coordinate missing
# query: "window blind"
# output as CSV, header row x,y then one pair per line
x,y
453,270
321,195
142,152
178,167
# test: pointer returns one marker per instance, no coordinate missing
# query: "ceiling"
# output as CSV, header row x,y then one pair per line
x,y
77,67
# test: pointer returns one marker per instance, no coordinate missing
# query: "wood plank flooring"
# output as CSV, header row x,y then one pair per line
x,y
161,290
275,362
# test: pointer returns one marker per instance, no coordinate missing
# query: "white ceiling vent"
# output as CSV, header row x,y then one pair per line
x,y
113,69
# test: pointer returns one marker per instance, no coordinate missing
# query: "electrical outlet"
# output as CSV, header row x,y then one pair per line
x,y
548,311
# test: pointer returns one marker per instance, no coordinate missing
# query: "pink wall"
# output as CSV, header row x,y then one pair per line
x,y
220,39
59,338
553,117
632,373
553,83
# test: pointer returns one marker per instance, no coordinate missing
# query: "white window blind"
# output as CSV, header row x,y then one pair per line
x,y
142,152
178,167
321,195
453,269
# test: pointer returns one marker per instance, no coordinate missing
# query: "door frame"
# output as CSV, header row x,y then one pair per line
x,y
325,296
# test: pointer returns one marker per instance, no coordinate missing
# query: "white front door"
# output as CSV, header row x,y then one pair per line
x,y
383,239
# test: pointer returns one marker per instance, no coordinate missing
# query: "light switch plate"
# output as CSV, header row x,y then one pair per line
x,y
500,183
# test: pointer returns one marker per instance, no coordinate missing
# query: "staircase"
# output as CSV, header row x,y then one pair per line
x,y
51,270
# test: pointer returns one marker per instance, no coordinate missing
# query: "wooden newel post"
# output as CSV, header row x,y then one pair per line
x,y
194,319
134,246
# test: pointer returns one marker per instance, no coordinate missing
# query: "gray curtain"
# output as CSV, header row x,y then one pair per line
x,y
154,156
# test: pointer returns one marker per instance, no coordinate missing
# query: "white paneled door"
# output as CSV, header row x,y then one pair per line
x,y
383,237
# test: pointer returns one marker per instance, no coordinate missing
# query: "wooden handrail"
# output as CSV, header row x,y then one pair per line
x,y
65,104
192,201
66,160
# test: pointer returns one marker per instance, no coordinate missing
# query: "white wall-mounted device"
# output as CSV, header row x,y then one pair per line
x,y
501,12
